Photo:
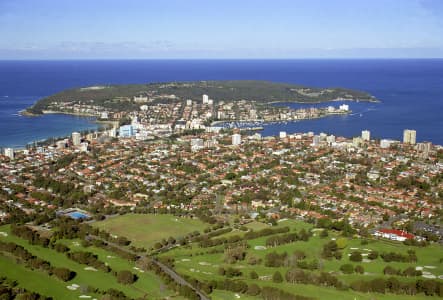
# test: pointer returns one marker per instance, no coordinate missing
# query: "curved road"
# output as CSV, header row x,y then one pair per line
x,y
177,278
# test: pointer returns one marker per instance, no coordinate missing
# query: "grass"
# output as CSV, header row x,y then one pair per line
x,y
147,281
146,230
196,263
36,281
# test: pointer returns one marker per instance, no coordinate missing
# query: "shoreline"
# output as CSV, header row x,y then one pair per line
x,y
101,124
26,113
375,100
264,123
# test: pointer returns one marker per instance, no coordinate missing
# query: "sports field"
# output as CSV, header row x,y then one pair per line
x,y
145,230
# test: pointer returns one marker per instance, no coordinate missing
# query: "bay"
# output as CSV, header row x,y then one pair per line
x,y
411,92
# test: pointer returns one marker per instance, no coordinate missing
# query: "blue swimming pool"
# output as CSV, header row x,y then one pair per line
x,y
78,215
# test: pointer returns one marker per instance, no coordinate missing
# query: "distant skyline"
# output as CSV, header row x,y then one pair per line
x,y
179,29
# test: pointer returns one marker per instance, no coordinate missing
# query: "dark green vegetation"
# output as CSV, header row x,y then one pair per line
x,y
294,260
120,97
64,268
289,260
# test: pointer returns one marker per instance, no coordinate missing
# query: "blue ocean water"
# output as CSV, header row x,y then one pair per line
x,y
411,91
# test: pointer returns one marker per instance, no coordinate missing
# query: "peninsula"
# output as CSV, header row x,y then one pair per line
x,y
125,98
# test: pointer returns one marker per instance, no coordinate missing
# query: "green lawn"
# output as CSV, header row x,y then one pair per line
x,y
36,281
196,263
147,283
146,230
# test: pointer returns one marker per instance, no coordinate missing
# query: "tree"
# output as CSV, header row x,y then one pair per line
x,y
356,256
277,278
347,269
359,269
253,275
324,233
126,277
63,273
253,290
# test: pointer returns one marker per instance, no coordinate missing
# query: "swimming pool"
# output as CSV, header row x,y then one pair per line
x,y
78,215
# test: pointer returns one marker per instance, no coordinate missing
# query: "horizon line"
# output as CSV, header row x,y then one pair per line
x,y
220,58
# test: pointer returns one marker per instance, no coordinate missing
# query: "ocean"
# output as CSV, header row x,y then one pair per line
x,y
411,92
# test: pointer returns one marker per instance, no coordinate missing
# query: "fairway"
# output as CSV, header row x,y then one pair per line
x,y
146,230
34,280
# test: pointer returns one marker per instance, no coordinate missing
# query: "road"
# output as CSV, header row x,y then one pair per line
x,y
177,278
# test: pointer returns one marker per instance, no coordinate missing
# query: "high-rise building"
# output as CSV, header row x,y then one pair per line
x,y
236,139
126,131
205,99
9,152
316,140
366,135
76,138
330,139
409,136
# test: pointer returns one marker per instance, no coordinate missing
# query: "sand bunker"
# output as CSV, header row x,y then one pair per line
x,y
259,248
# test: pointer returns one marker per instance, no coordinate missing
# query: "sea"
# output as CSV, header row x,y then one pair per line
x,y
410,92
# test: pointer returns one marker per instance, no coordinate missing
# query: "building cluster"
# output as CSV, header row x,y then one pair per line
x,y
302,175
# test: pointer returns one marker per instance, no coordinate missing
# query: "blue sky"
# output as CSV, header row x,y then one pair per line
x,y
89,29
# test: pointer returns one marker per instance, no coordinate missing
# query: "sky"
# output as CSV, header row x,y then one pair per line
x,y
224,29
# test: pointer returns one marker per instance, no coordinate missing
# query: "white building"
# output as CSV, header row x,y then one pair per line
x,y
197,144
384,143
9,152
330,139
409,136
366,135
344,107
189,102
76,138
283,134
236,139
140,98
61,144
316,140
84,147
205,99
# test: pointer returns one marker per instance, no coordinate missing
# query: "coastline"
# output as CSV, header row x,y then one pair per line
x,y
26,113
261,122
375,100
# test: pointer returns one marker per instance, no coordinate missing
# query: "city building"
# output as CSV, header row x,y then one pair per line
x,y
61,144
330,139
126,131
384,143
76,138
344,107
283,134
197,144
316,140
236,139
205,99
366,135
9,152
409,136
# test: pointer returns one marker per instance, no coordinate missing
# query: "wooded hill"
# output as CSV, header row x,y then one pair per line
x,y
121,97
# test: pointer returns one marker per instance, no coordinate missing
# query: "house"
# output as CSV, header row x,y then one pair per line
x,y
393,234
